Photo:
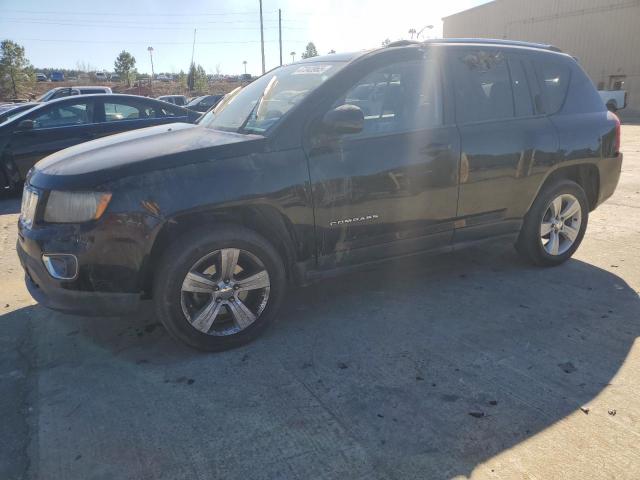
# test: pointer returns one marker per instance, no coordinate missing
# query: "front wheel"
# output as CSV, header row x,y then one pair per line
x,y
555,224
219,289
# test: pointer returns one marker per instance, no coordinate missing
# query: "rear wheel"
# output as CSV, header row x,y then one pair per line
x,y
218,290
555,225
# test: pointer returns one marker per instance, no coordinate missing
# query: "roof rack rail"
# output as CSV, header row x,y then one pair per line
x,y
403,43
496,41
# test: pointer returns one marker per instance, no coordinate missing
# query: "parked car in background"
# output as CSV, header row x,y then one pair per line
x,y
10,110
316,168
58,124
114,77
41,77
175,99
163,78
57,77
204,103
61,92
102,76
614,99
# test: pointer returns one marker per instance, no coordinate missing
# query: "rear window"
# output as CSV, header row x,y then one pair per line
x,y
482,86
554,78
87,91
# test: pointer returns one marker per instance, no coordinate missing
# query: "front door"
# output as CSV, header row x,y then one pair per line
x,y
56,127
392,188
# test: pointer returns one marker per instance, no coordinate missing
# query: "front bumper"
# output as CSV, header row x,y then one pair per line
x,y
51,293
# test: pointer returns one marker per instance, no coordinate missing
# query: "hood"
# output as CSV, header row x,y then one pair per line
x,y
138,151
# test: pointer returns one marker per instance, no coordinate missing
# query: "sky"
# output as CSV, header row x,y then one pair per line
x,y
68,33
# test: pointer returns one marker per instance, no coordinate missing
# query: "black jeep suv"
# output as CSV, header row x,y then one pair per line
x,y
318,167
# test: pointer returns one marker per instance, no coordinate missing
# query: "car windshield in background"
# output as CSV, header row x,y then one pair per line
x,y
261,104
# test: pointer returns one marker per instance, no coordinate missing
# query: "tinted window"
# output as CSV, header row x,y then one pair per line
x,y
63,92
114,112
398,98
86,91
553,77
520,86
62,116
482,86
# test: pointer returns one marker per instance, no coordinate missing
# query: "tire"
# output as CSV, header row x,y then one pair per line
x,y
185,305
541,249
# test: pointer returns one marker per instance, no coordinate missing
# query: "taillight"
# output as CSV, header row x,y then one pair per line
x,y
616,142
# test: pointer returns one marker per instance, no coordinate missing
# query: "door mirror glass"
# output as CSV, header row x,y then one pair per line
x,y
26,125
344,119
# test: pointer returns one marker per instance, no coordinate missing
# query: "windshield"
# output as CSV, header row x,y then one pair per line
x,y
195,101
46,96
261,104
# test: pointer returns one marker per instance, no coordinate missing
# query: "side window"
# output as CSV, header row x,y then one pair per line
x,y
520,86
554,79
167,112
114,112
79,113
64,92
482,86
398,98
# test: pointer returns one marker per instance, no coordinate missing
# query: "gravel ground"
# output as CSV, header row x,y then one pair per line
x,y
465,365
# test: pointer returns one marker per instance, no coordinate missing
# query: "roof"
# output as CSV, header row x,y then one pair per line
x,y
494,41
334,57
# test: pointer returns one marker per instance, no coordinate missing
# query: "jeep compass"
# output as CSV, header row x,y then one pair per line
x,y
319,167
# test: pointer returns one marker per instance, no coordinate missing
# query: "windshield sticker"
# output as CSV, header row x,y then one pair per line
x,y
311,69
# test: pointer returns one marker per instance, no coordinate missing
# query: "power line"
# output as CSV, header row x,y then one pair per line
x,y
49,40
143,26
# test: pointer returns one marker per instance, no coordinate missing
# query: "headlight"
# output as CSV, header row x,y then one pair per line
x,y
73,207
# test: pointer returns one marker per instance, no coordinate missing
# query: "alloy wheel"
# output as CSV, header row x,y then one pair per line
x,y
561,224
225,292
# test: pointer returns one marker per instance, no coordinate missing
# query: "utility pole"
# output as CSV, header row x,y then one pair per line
x,y
280,33
193,49
150,49
261,37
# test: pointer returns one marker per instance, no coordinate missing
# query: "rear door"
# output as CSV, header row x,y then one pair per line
x,y
507,141
56,126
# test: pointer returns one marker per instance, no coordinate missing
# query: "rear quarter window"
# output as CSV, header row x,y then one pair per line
x,y
554,77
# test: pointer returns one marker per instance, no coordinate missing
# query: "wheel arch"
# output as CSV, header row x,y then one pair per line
x,y
265,220
586,175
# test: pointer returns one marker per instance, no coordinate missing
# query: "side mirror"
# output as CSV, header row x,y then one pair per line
x,y
26,125
344,119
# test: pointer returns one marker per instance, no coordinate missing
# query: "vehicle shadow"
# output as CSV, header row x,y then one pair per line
x,y
422,369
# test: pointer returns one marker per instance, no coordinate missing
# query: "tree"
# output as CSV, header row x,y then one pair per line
x,y
293,56
125,66
412,32
386,42
332,51
16,73
197,78
310,51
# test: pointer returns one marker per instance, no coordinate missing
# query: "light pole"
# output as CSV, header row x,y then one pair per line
x,y
244,62
293,56
150,49
428,27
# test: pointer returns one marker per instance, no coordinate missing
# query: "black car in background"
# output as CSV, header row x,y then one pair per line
x,y
316,168
204,103
52,126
